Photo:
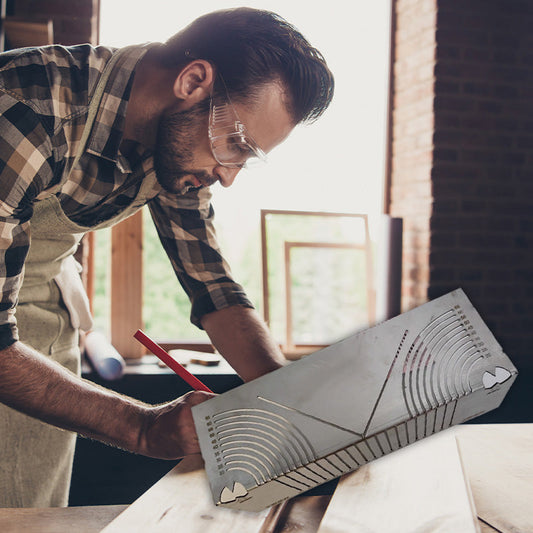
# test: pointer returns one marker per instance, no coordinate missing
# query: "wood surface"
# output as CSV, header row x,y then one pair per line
x,y
90,519
126,285
496,458
420,488
20,33
181,501
498,461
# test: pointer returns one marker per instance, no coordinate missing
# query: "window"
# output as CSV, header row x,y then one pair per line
x,y
322,263
335,165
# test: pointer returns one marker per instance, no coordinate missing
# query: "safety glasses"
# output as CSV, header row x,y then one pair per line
x,y
231,144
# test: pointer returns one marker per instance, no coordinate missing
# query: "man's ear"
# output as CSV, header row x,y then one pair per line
x,y
194,83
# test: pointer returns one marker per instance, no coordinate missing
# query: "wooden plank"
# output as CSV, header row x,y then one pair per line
x,y
20,33
181,501
53,520
418,488
3,9
498,461
126,285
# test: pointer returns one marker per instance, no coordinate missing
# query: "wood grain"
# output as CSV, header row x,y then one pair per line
x,y
420,488
498,460
126,285
20,33
181,501
89,519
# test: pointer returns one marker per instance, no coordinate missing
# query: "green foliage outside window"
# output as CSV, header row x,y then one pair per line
x,y
328,285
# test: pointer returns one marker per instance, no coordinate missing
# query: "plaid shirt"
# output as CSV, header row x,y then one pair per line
x,y
44,95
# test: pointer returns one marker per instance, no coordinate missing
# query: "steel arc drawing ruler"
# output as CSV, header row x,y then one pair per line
x,y
350,403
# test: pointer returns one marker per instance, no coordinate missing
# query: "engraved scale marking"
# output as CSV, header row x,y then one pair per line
x,y
398,350
277,404
341,407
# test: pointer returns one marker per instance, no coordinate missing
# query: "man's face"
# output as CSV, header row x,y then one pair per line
x,y
183,158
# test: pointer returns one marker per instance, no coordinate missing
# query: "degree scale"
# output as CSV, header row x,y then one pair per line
x,y
350,403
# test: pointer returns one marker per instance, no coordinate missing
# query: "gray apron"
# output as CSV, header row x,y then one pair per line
x,y
36,458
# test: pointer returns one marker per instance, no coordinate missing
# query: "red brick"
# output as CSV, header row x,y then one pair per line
x,y
479,182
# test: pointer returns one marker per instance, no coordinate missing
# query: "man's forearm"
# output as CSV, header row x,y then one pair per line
x,y
39,387
243,339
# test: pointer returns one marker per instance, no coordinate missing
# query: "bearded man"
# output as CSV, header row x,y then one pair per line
x,y
88,135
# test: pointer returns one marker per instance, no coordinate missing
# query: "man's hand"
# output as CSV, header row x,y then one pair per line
x,y
170,432
39,387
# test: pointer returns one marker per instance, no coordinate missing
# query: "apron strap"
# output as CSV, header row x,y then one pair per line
x,y
68,280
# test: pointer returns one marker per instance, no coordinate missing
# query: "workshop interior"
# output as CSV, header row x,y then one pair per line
x,y
453,210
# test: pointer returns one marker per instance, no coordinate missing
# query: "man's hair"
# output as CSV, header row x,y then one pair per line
x,y
250,48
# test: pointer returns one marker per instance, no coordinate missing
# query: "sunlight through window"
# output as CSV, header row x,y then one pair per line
x,y
336,164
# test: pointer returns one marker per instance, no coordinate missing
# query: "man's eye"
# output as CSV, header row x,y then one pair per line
x,y
240,149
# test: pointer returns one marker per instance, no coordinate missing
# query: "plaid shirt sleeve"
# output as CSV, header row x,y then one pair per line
x,y
26,168
185,228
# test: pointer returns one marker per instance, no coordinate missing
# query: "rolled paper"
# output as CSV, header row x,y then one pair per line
x,y
105,359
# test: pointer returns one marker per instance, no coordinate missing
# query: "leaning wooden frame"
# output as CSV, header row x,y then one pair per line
x,y
294,350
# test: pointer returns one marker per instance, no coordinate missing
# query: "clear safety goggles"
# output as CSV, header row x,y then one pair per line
x,y
231,144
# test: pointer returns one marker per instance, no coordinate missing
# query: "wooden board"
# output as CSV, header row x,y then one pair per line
x,y
181,501
89,519
498,461
418,488
126,286
20,33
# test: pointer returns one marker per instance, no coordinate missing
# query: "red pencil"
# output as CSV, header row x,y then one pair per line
x,y
194,382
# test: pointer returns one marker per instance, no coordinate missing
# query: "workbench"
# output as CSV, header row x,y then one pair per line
x,y
479,473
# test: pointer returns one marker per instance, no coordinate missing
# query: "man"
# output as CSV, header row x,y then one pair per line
x,y
89,135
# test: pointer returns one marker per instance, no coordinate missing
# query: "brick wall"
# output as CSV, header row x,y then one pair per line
x,y
75,21
412,140
477,227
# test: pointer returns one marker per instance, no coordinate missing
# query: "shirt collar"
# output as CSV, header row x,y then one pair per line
x,y
108,129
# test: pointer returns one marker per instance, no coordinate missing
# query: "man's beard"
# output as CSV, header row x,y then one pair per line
x,y
177,136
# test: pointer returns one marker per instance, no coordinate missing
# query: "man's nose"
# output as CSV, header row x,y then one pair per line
x,y
226,175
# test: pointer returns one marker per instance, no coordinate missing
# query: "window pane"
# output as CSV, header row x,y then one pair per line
x,y
102,278
328,285
329,297
166,307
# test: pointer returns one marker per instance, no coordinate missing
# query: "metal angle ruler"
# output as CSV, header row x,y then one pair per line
x,y
350,403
